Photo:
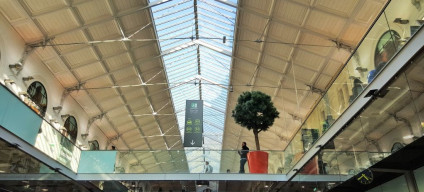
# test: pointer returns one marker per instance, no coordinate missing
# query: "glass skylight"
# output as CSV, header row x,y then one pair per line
x,y
197,61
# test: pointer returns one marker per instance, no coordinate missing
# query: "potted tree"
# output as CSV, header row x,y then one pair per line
x,y
255,111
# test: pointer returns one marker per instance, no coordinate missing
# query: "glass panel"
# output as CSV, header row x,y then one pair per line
x,y
177,161
328,162
391,118
311,129
294,152
97,162
338,96
405,18
14,161
351,144
395,185
57,146
11,113
362,65
415,80
419,178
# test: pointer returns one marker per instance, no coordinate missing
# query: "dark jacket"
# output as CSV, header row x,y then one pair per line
x,y
243,152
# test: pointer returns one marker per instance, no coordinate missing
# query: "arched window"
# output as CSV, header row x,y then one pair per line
x,y
387,46
94,145
71,128
37,93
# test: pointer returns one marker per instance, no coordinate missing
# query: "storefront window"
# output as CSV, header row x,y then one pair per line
x,y
38,95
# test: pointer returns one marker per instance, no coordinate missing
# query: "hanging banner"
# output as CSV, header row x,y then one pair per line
x,y
193,128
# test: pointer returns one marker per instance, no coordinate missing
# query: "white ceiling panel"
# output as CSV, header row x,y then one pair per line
x,y
322,82
110,51
89,16
119,62
125,75
273,63
325,23
282,33
57,22
247,39
309,60
64,41
12,11
281,51
37,7
315,44
56,65
253,22
368,12
259,6
290,12
354,34
247,53
123,6
81,56
28,31
342,8
89,70
341,55
65,78
102,94
101,82
136,23
105,30
113,104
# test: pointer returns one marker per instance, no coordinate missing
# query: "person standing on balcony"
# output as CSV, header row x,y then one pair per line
x,y
243,156
208,168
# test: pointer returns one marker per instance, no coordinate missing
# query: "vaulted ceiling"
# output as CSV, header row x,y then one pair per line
x,y
135,62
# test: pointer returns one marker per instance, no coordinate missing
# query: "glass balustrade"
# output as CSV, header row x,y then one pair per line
x,y
390,122
391,31
57,146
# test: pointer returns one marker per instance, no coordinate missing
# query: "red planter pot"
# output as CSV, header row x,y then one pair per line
x,y
258,162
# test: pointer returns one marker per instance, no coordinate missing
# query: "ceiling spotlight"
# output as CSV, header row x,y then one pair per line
x,y
57,108
84,136
27,78
53,121
16,66
361,69
10,81
401,21
65,116
23,93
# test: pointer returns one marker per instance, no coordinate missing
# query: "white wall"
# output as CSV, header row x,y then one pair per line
x,y
12,48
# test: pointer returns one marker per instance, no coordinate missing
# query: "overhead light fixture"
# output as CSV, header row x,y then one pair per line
x,y
401,21
16,66
10,81
57,108
361,69
84,136
23,93
53,121
65,116
27,78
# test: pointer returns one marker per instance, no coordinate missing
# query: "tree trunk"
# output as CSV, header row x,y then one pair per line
x,y
256,133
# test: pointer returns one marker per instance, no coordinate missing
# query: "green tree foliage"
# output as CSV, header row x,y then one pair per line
x,y
255,111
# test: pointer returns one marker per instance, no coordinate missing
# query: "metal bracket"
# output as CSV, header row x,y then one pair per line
x,y
91,120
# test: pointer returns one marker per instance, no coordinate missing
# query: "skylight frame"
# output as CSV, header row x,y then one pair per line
x,y
204,66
